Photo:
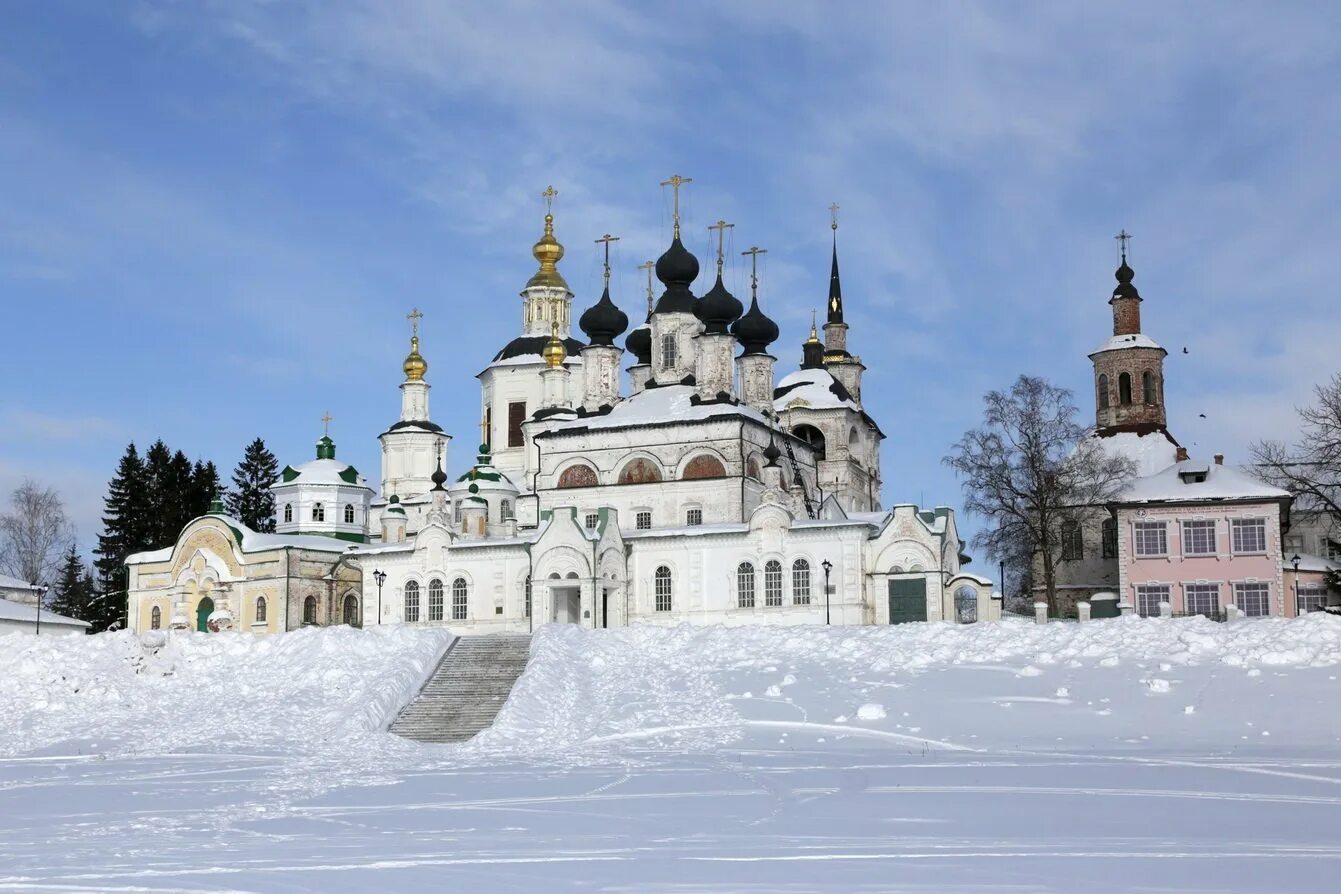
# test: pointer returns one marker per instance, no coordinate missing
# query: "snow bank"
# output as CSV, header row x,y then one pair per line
x,y
697,687
314,690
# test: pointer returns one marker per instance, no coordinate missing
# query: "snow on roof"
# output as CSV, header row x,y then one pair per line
x,y
1193,481
811,387
14,611
14,583
254,542
668,403
1311,563
1135,340
323,471
1151,451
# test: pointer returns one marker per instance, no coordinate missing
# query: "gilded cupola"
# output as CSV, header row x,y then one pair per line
x,y
548,251
415,364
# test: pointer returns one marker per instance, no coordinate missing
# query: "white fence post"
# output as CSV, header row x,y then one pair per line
x,y
1083,610
1232,612
1041,612
1165,610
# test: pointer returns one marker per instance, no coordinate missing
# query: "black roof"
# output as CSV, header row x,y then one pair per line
x,y
534,344
603,321
419,423
676,269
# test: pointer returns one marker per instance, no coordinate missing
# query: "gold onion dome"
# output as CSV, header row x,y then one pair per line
x,y
415,364
554,352
548,251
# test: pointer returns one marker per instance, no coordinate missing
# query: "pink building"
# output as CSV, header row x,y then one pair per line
x,y
1203,536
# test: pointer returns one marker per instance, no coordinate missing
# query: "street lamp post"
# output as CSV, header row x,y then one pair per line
x,y
380,577
827,566
41,594
1295,560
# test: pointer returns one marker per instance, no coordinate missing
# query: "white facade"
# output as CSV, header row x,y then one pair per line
x,y
23,618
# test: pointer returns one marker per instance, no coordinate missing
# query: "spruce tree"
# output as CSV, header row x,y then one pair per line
x,y
179,497
204,488
74,588
158,485
251,500
125,530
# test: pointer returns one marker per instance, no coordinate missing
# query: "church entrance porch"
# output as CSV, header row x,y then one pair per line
x,y
204,609
567,602
907,600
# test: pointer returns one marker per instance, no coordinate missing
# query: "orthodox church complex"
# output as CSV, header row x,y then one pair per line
x,y
678,477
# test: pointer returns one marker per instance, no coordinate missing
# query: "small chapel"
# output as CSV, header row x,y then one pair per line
x,y
678,477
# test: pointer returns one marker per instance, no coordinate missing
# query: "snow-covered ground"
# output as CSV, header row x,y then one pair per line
x,y
1124,755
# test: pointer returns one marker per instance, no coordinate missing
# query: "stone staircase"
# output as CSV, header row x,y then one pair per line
x,y
466,691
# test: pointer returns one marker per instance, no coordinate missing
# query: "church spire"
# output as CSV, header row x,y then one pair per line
x,y
548,251
835,285
415,365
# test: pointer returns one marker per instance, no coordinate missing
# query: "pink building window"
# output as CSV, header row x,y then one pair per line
x,y
1202,599
1148,598
1253,599
1311,597
1198,538
1152,539
1249,535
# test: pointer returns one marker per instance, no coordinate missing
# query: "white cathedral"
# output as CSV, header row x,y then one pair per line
x,y
707,491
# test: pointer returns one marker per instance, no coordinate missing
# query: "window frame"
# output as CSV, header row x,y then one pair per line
x,y
1140,527
310,610
1317,591
591,520
772,584
801,581
1109,538
318,512
349,513
663,589
1124,389
745,585
640,516
1073,542
262,610
1103,391
288,513
693,516
1199,524
155,618
436,600
460,599
516,418
670,351
410,601
1237,525
1193,593
1260,589
1144,592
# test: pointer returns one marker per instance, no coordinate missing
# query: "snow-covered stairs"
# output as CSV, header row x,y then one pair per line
x,y
466,691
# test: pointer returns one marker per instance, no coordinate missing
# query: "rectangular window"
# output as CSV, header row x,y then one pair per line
x,y
668,352
1148,598
773,583
592,520
516,416
459,600
800,582
1253,599
489,426
1249,535
1312,598
694,517
435,601
662,589
1202,599
1073,543
643,520
1199,538
1110,547
1151,539
1331,549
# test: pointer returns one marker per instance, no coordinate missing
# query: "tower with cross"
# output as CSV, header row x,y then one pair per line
x,y
410,444
1129,367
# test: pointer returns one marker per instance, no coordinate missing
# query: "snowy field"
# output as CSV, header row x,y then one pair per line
x,y
1124,755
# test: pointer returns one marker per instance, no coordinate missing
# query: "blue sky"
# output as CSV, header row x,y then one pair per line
x,y
214,217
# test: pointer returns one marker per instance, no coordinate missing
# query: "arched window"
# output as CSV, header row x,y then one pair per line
x,y
772,582
800,582
456,511
1124,389
966,605
669,352
639,471
310,610
349,513
288,512
704,467
1110,544
318,512
435,600
662,589
812,436
505,509
1103,392
752,469
260,609
155,618
459,599
580,475
745,585
351,612
412,601
1148,388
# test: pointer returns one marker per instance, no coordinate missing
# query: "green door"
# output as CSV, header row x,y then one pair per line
x,y
907,600
203,612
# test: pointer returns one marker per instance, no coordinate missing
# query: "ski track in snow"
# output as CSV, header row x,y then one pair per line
x,y
633,761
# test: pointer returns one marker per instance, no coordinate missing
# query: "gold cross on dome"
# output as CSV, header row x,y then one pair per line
x,y
607,239
548,195
675,182
1123,237
721,227
326,421
414,316
833,216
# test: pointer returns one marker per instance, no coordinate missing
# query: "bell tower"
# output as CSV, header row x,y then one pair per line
x,y
1129,367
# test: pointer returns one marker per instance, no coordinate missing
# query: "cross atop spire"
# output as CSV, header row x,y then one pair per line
x,y
675,182
835,309
414,316
833,216
326,419
548,195
754,252
721,227
606,240
1123,237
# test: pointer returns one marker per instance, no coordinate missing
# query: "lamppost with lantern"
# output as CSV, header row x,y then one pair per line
x,y
41,594
1295,560
827,566
380,577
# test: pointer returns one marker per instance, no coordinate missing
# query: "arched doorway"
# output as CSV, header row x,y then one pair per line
x,y
204,608
351,612
966,605
812,436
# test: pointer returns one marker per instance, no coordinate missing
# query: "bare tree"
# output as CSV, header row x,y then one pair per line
x,y
34,532
1033,471
1311,470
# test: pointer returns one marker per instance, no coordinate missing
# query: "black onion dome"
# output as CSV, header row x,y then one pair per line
x,y
719,308
754,331
771,452
639,343
603,321
676,269
439,477
1124,276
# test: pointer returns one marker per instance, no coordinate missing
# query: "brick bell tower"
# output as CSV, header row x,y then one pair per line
x,y
1129,367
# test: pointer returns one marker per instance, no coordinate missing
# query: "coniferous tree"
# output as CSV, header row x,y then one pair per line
x,y
157,485
73,591
251,500
126,530
205,488
178,494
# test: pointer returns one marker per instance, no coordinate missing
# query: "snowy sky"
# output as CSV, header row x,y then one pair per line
x,y
214,217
